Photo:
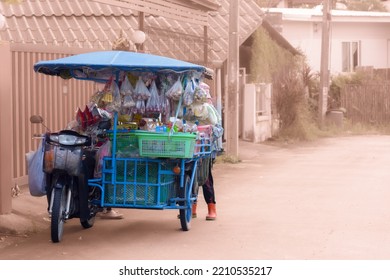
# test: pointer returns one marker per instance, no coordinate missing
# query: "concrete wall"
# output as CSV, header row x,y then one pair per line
x,y
6,132
257,119
306,35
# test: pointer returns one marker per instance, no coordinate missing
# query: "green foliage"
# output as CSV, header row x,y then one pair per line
x,y
267,57
338,82
11,1
355,78
291,79
365,5
227,159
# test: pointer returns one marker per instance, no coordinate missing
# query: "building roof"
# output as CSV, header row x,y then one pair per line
x,y
93,24
315,14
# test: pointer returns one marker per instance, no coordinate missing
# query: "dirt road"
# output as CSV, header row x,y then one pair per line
x,y
329,199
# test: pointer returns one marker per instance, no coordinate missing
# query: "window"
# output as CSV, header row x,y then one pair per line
x,y
350,56
261,100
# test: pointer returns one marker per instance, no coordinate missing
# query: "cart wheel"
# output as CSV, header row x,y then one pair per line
x,y
58,214
186,213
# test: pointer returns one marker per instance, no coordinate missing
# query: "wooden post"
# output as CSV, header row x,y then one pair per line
x,y
324,75
233,64
141,26
6,146
205,46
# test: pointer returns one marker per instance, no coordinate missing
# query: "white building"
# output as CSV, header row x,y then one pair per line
x,y
356,38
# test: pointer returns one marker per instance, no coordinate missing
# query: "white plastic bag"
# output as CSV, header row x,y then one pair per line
x,y
175,91
153,103
141,92
36,176
104,151
188,96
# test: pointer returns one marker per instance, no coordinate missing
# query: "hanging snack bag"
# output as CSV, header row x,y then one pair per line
x,y
116,102
188,96
126,87
201,112
127,92
165,108
139,107
153,103
107,94
175,91
200,94
141,92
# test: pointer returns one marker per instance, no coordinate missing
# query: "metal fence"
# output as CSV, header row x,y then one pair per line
x,y
55,99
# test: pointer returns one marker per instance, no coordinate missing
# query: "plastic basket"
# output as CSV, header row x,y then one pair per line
x,y
203,141
126,142
205,131
178,145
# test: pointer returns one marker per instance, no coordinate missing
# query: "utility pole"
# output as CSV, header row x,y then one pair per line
x,y
324,78
233,64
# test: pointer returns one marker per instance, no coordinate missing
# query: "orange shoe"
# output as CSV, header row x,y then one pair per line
x,y
212,212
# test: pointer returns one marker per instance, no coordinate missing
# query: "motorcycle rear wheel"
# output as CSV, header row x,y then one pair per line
x,y
88,223
58,214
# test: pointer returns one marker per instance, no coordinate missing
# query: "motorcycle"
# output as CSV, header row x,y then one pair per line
x,y
68,162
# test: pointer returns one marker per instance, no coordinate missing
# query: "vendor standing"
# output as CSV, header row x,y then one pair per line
x,y
208,184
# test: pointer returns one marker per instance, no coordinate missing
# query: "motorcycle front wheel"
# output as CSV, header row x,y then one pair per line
x,y
58,214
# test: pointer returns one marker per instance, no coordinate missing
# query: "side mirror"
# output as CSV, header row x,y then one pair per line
x,y
36,119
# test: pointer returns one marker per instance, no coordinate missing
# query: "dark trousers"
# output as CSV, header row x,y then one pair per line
x,y
208,186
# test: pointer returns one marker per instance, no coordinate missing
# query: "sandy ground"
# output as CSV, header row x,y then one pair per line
x,y
323,200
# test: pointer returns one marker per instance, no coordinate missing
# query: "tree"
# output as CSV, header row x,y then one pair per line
x,y
354,5
365,5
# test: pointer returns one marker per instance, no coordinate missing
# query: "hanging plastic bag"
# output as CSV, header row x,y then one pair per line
x,y
141,92
104,151
126,87
96,98
153,103
128,102
175,91
188,96
139,107
36,176
212,116
81,118
116,102
107,93
165,108
200,95
201,113
127,91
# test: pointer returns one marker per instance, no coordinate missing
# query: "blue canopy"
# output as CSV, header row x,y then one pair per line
x,y
102,64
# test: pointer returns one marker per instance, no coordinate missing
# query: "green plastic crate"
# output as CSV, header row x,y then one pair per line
x,y
178,145
125,141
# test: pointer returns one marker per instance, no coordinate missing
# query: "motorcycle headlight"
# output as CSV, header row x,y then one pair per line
x,y
65,139
54,138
